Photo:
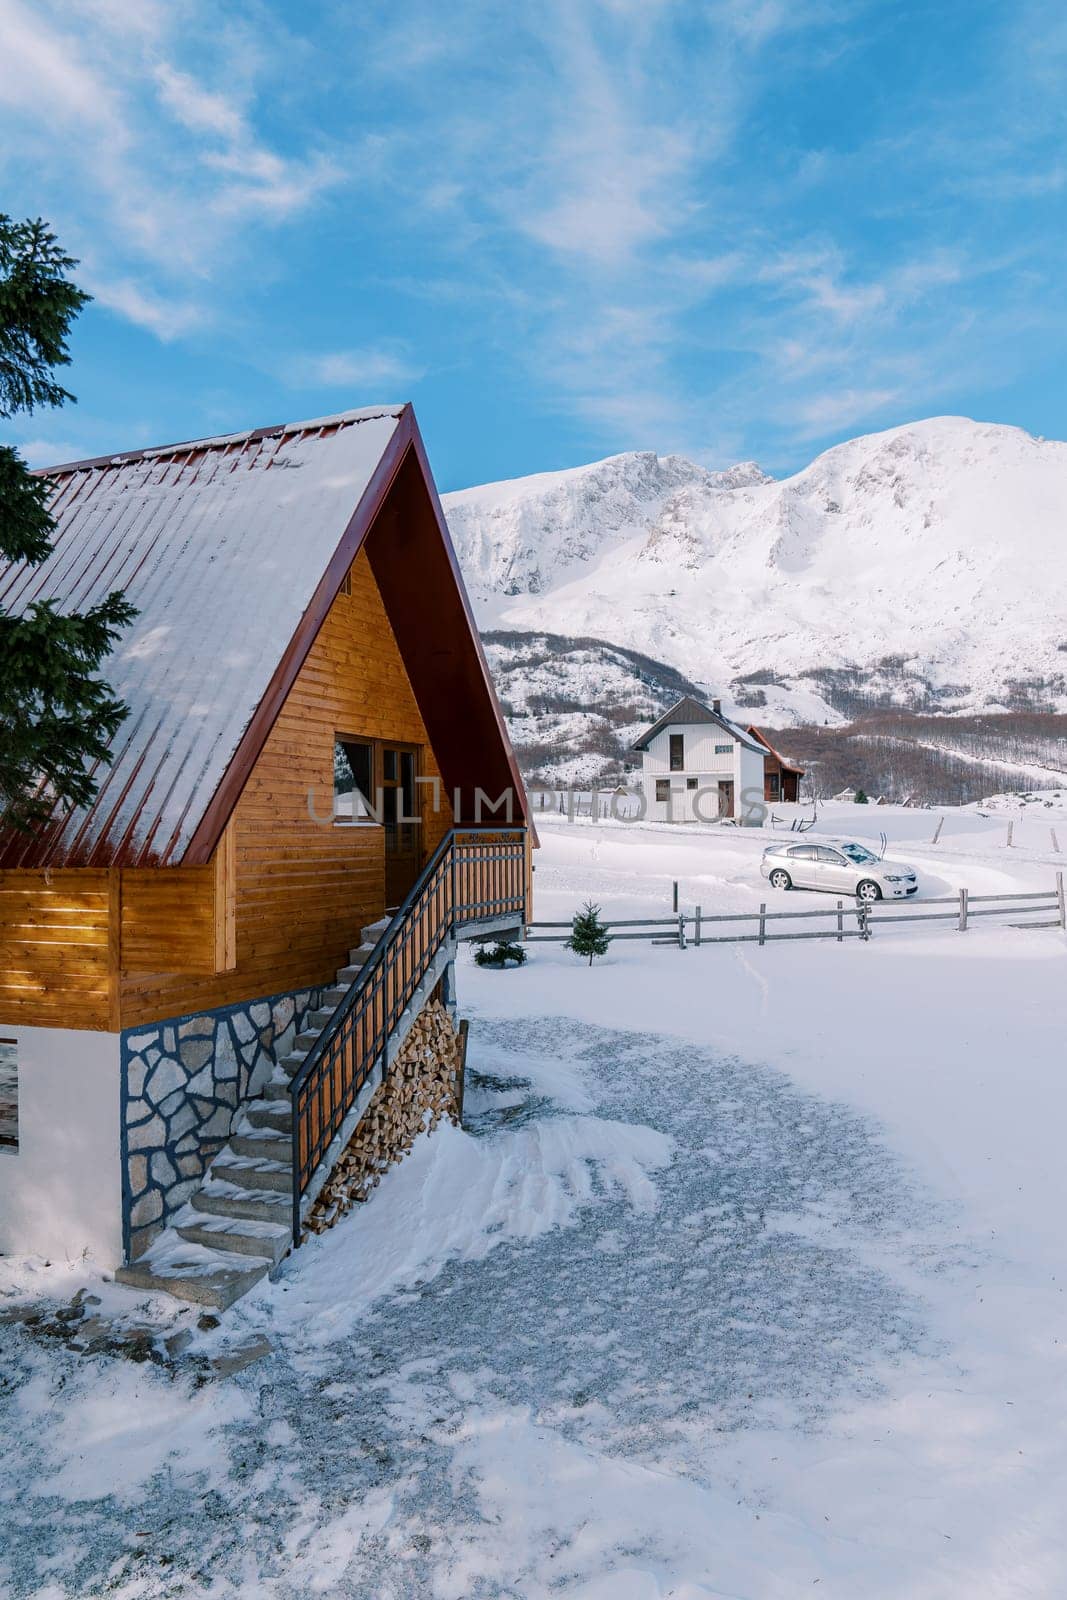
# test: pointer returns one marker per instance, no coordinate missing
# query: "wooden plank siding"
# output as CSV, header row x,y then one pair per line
x,y
54,947
167,919
285,896
303,888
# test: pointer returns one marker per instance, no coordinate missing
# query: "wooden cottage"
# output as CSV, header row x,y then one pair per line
x,y
313,741
781,778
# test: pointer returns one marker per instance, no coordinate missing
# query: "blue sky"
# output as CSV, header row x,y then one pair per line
x,y
734,228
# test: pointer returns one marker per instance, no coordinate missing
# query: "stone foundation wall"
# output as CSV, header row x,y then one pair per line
x,y
183,1083
422,1086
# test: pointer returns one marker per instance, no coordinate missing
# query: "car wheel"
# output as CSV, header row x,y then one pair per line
x,y
780,879
868,891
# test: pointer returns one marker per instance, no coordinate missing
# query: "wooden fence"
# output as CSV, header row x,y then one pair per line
x,y
1044,908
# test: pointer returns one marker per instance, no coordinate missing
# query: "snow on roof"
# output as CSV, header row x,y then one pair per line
x,y
783,761
220,544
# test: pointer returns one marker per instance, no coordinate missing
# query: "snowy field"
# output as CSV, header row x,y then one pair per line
x,y
746,1278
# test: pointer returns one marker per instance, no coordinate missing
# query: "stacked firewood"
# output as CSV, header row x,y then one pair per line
x,y
420,1088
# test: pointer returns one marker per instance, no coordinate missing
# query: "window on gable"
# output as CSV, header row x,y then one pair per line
x,y
724,749
353,780
663,790
9,1095
677,742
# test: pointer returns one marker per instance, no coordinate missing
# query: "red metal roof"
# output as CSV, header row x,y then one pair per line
x,y
222,544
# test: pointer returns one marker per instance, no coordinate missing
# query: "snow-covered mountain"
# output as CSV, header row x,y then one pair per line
x,y
926,565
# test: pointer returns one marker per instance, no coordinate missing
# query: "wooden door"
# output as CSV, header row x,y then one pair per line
x,y
726,797
403,830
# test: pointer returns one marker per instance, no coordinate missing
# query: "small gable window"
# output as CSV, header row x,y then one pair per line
x,y
9,1095
723,749
353,780
677,743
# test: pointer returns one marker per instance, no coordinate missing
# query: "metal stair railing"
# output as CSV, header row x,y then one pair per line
x,y
474,875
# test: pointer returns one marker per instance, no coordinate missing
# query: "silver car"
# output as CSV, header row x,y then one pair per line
x,y
839,866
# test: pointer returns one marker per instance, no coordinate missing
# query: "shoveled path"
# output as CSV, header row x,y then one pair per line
x,y
427,1451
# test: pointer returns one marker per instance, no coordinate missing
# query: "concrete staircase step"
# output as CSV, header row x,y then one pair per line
x,y
304,1041
319,1019
245,1173
333,997
292,1061
276,1090
236,1235
262,1144
222,1199
208,1277
348,975
271,1113
360,955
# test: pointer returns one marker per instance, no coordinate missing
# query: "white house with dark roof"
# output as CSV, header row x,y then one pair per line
x,y
698,766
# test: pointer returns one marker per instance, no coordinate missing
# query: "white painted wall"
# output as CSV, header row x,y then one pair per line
x,y
61,1190
707,762
700,752
750,804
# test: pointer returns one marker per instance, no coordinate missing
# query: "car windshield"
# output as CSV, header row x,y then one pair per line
x,y
856,852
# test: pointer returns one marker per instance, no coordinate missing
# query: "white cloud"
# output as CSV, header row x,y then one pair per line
x,y
598,195
48,452
158,174
354,369
168,319
255,177
197,108
613,162
42,70
817,278
840,408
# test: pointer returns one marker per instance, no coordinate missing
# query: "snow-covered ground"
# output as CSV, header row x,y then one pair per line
x,y
746,1278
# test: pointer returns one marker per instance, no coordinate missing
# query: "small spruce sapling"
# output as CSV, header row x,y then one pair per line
x,y
861,798
589,937
505,953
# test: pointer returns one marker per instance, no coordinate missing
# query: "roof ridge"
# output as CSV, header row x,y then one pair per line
x,y
708,715
216,441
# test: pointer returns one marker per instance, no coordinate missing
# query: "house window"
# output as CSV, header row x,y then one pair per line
x,y
691,783
724,749
9,1095
677,741
353,781
663,790
346,582
398,799
773,785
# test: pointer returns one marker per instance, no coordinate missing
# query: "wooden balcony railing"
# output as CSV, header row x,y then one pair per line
x,y
474,876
